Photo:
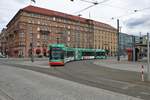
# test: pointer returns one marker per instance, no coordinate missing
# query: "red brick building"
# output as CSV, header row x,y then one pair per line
x,y
41,26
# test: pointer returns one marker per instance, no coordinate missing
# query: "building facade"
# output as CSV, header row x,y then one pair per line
x,y
125,42
40,27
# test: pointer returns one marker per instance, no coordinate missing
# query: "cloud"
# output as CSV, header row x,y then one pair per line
x,y
3,21
134,22
102,13
22,1
8,10
137,24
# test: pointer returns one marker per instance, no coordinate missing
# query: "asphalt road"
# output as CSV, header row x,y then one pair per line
x,y
100,77
20,84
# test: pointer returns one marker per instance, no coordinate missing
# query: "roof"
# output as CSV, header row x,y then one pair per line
x,y
44,11
48,12
57,45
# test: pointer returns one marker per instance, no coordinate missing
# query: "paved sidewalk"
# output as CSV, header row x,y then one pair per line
x,y
38,62
20,84
112,62
126,80
123,64
41,64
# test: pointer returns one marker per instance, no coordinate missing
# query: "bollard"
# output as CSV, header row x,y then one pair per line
x,y
142,73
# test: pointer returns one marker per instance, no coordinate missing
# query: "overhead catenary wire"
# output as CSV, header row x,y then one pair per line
x,y
93,4
102,3
84,9
131,13
96,3
121,16
114,6
141,9
89,1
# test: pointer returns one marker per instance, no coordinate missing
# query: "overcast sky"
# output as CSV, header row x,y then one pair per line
x,y
131,22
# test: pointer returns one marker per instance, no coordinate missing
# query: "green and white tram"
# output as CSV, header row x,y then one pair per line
x,y
59,54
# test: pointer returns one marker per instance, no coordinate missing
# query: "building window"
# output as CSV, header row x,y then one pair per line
x,y
38,43
31,35
38,29
38,22
21,35
68,38
68,32
29,21
54,19
44,37
69,27
38,36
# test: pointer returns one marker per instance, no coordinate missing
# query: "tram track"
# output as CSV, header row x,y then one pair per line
x,y
61,73
68,73
5,96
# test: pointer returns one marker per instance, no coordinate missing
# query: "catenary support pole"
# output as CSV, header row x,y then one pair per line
x,y
118,46
148,62
133,38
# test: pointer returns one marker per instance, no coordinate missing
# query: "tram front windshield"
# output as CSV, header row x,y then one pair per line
x,y
57,53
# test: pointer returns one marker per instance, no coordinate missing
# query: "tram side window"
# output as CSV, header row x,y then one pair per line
x,y
103,53
88,54
100,53
70,53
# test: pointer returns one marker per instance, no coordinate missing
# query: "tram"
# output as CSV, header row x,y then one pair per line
x,y
59,54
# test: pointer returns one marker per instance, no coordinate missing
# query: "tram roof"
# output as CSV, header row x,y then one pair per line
x,y
57,45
